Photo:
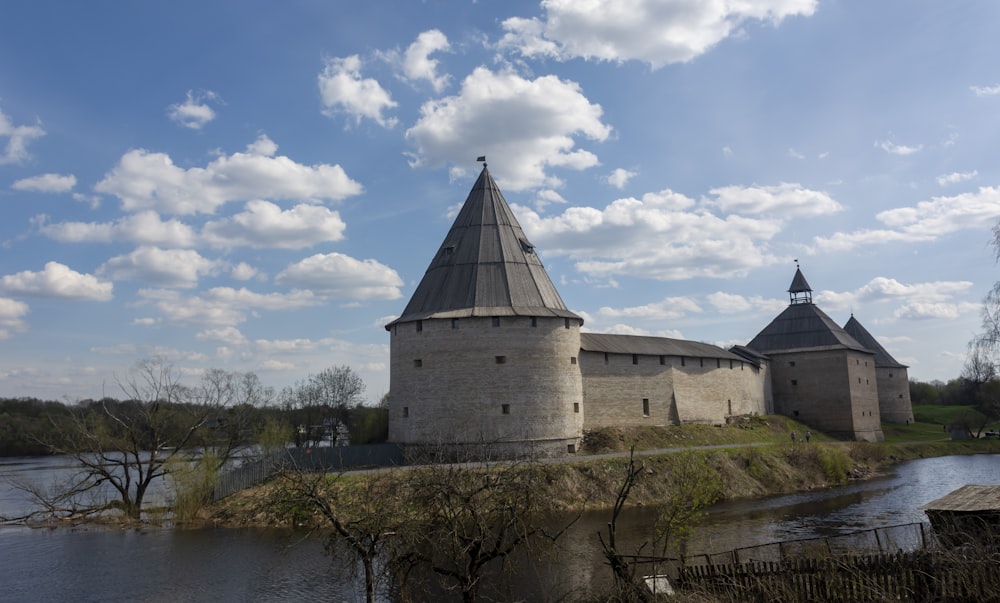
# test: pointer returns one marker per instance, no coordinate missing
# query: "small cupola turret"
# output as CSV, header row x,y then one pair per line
x,y
799,292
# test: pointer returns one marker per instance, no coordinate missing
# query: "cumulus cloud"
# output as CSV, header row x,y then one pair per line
x,y
46,183
143,228
927,221
417,64
928,311
18,137
195,111
343,90
12,313
655,32
531,126
161,267
620,177
228,335
785,199
341,276
985,90
667,308
663,236
881,289
956,177
263,224
729,303
897,149
57,281
146,180
244,272
223,306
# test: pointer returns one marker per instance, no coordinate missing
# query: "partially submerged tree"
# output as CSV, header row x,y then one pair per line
x,y
125,446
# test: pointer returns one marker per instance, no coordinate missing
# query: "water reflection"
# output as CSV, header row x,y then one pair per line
x,y
277,565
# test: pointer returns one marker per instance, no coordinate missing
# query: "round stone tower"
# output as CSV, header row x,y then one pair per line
x,y
485,355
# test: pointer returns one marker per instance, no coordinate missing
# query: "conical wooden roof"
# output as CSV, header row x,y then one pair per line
x,y
882,357
485,267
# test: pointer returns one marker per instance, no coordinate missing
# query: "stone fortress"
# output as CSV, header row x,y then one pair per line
x,y
486,352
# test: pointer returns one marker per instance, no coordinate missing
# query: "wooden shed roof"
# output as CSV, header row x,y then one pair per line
x,y
485,266
967,499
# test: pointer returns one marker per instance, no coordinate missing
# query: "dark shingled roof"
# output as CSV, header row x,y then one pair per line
x,y
485,267
883,359
651,346
802,326
799,284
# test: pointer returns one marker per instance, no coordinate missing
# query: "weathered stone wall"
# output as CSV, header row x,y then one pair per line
x,y
833,390
894,395
627,389
468,381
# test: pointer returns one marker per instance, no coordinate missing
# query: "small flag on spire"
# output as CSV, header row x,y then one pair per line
x,y
481,158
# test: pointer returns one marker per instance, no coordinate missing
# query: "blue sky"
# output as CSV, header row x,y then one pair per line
x,y
259,186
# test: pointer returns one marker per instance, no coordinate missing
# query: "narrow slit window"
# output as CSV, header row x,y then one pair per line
x,y
663,360
454,323
505,409
534,321
635,359
406,411
576,407
496,321
645,407
420,326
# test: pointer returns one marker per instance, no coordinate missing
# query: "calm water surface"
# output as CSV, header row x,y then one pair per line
x,y
279,565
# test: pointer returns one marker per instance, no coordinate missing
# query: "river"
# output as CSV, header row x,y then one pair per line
x,y
89,564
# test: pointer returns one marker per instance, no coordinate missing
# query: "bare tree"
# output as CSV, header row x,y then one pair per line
x,y
472,515
366,512
325,400
124,447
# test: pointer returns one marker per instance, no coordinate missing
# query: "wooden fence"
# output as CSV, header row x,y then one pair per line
x,y
927,575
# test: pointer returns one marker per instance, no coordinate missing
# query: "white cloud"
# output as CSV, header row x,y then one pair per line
x,y
927,311
882,289
897,149
663,236
229,335
620,177
665,309
782,200
729,303
927,221
655,32
341,276
18,137
795,154
244,272
223,306
12,313
985,90
161,267
46,183
417,64
956,177
58,281
265,225
195,111
532,125
342,89
145,180
143,228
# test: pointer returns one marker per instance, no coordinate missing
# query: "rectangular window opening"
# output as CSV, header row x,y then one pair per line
x,y
420,326
417,363
605,357
572,359
406,411
635,359
576,407
505,409
571,448
566,322
454,323
645,407
663,360
496,321
795,381
501,359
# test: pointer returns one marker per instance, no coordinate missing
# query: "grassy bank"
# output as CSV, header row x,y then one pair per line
x,y
758,459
